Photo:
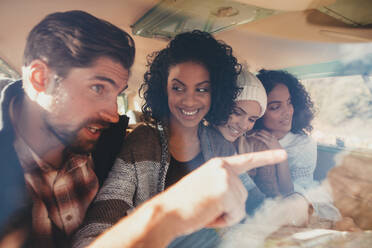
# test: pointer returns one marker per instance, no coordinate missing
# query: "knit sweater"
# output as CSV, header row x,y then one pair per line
x,y
218,145
138,174
213,145
264,177
302,155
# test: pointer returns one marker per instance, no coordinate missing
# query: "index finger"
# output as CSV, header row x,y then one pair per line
x,y
245,162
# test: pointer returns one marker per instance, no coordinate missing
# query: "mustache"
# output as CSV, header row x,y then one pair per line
x,y
104,124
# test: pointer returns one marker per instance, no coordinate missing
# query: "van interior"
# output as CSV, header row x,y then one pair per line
x,y
327,44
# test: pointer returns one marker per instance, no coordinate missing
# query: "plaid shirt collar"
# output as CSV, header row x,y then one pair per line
x,y
60,196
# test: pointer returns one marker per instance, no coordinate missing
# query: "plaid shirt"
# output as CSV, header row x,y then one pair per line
x,y
60,196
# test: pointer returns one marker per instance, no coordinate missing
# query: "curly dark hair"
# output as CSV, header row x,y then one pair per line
x,y
303,107
200,47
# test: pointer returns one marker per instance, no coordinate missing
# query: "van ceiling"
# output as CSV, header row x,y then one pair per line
x,y
283,40
170,17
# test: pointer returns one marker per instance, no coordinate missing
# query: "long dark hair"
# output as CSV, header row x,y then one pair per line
x,y
303,106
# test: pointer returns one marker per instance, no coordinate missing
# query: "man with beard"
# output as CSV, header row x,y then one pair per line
x,y
74,67
59,134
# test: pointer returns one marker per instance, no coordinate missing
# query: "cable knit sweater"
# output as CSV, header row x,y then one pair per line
x,y
302,155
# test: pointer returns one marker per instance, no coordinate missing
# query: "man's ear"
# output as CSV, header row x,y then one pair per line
x,y
39,75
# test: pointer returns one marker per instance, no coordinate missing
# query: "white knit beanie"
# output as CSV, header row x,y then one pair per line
x,y
252,89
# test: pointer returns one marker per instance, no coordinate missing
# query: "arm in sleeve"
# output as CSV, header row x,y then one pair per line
x,y
111,204
265,179
302,162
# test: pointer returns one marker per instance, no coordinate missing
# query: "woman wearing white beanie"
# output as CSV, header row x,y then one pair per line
x,y
250,105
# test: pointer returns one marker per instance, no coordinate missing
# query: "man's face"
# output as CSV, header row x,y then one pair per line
x,y
84,103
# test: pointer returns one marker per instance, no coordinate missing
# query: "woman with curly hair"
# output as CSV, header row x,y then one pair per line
x,y
191,80
286,124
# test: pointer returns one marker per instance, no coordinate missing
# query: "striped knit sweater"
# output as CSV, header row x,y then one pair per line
x,y
138,174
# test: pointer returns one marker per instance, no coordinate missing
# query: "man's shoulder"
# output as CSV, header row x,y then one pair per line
x,y
10,84
7,91
4,83
13,190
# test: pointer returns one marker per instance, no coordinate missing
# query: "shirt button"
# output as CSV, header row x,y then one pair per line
x,y
69,217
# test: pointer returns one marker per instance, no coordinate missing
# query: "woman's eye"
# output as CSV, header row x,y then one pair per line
x,y
203,90
176,88
97,88
236,112
252,120
274,107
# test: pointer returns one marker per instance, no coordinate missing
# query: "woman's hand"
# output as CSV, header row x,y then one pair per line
x,y
268,139
210,196
284,181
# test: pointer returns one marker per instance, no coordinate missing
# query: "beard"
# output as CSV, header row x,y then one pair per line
x,y
70,136
80,146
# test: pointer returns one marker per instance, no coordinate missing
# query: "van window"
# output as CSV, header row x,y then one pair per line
x,y
343,110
